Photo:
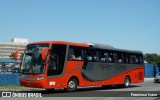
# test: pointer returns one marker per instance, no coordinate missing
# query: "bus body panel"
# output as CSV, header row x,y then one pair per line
x,y
73,70
76,69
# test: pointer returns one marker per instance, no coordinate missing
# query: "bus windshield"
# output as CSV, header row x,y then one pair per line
x,y
32,62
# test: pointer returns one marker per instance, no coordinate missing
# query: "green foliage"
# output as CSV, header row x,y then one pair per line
x,y
12,56
152,58
2,64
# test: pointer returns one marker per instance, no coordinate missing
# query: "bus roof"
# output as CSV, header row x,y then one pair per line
x,y
93,45
108,47
62,42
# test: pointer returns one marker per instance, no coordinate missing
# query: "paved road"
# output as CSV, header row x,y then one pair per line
x,y
99,93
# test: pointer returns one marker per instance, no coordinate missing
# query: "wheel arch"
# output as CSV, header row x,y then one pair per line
x,y
74,77
128,77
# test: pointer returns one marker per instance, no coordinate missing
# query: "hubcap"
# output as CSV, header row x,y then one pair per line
x,y
127,82
71,84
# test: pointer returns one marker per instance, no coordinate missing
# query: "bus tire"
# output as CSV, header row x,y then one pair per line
x,y
72,85
127,82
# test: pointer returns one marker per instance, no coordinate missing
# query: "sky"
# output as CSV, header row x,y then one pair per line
x,y
125,24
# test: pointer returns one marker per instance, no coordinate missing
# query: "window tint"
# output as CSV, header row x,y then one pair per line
x,y
102,55
134,59
92,55
75,53
106,56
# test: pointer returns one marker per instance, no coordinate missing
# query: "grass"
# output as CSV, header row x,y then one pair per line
x,y
16,88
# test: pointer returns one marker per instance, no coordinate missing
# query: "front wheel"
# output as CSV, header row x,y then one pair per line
x,y
126,82
72,85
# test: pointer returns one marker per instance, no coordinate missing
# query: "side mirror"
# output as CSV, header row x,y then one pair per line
x,y
44,53
17,53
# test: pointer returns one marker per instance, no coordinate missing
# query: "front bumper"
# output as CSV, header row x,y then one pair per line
x,y
33,84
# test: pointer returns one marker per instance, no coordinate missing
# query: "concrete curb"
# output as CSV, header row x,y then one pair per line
x,y
151,78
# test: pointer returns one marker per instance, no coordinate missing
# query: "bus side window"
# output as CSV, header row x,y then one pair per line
x,y
71,55
92,55
137,59
124,57
115,57
128,58
98,55
105,56
131,59
141,59
120,57
75,53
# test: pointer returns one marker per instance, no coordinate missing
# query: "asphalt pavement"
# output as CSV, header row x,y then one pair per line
x,y
135,92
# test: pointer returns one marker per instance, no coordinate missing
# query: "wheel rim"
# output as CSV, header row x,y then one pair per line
x,y
127,82
71,84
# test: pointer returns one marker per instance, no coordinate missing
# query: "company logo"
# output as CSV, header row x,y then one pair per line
x,y
6,94
20,94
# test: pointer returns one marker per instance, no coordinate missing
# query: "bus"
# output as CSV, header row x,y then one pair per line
x,y
60,64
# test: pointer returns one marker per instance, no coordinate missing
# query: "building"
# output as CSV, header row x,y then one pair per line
x,y
8,48
19,40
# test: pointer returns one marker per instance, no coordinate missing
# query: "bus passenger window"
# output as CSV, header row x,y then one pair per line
x,y
71,55
128,59
92,55
137,60
115,57
120,57
141,59
133,59
120,60
75,53
89,58
105,57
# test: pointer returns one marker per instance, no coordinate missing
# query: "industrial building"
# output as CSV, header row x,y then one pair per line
x,y
8,48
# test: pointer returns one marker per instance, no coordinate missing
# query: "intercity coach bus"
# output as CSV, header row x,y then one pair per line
x,y
68,65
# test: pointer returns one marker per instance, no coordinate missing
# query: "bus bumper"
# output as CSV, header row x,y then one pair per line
x,y
33,84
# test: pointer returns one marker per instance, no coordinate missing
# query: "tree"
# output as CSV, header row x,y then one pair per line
x,y
158,62
152,59
12,56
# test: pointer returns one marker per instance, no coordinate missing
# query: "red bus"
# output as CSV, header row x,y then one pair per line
x,y
68,65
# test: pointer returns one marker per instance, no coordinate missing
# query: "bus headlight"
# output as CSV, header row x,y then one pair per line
x,y
40,78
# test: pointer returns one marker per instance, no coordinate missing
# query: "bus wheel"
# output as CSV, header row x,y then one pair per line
x,y
72,85
126,82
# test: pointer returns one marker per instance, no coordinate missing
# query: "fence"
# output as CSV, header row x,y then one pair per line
x,y
151,70
9,79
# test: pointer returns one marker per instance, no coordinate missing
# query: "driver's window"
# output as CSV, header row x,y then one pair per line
x,y
52,62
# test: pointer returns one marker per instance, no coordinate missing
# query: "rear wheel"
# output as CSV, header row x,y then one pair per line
x,y
126,82
72,85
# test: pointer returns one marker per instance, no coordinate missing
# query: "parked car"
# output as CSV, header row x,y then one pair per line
x,y
157,78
